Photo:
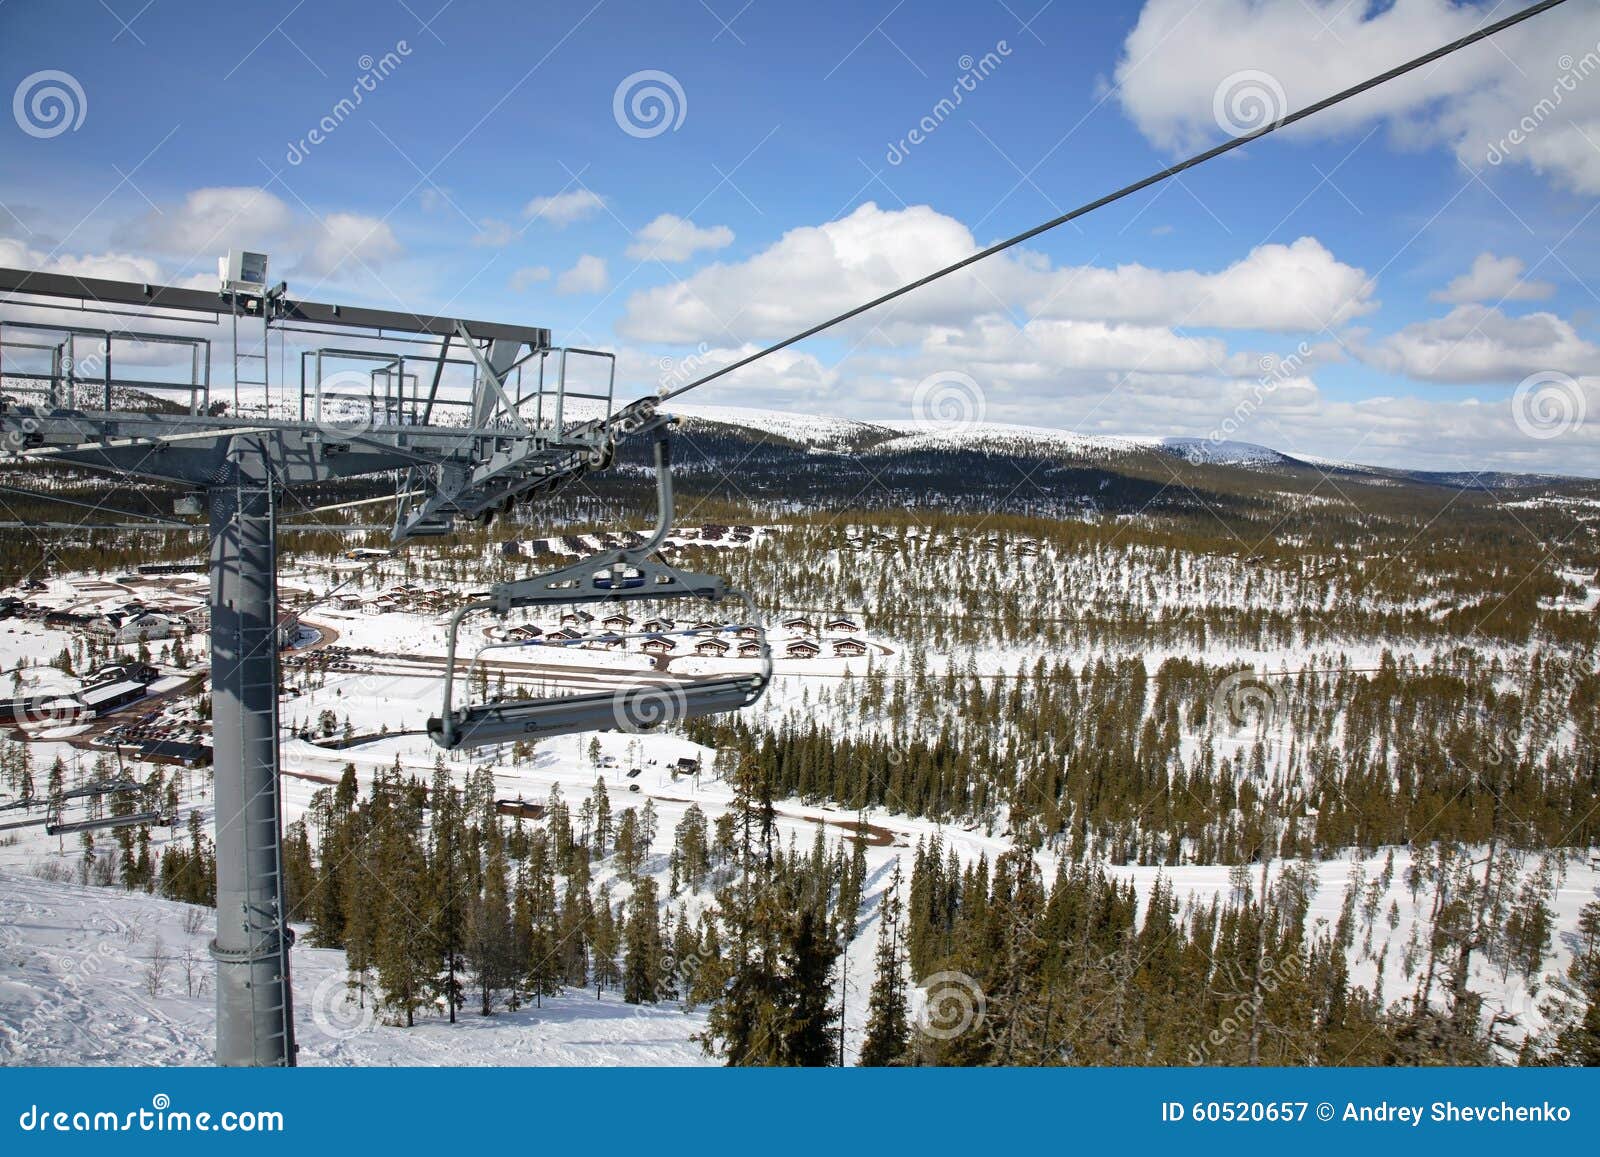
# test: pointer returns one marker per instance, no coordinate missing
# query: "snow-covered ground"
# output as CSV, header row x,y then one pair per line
x,y
79,985
54,931
76,966
55,937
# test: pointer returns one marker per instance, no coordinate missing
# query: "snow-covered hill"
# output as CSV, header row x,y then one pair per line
x,y
1224,453
899,436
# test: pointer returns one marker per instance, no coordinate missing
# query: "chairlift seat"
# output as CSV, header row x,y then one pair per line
x,y
127,821
633,709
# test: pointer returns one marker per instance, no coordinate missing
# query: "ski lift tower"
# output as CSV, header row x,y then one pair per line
x,y
510,441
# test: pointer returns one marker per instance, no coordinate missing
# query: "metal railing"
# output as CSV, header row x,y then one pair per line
x,y
74,368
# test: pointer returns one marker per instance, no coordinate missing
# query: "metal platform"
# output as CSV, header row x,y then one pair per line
x,y
81,393
509,435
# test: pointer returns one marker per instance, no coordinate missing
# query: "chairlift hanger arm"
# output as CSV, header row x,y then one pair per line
x,y
627,573
612,576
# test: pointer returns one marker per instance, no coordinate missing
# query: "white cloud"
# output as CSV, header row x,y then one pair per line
x,y
349,243
1494,279
810,272
1044,350
1477,343
813,271
208,222
789,378
211,221
116,266
524,278
1470,435
565,208
494,233
1519,101
1300,286
670,238
588,275
1294,415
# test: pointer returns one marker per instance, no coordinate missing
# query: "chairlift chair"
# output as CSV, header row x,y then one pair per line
x,y
107,823
620,575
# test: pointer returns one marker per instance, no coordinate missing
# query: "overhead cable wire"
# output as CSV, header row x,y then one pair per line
x,y
1128,190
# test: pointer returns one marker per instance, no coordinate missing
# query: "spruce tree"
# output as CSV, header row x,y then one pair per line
x,y
1575,1008
888,1020
642,951
811,1018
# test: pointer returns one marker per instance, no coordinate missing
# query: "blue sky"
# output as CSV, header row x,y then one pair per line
x,y
488,174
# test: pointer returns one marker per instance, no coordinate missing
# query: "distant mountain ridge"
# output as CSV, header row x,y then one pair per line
x,y
872,438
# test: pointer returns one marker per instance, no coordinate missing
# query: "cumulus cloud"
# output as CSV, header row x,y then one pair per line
x,y
1495,279
787,379
1042,350
588,275
1300,286
529,275
1535,111
1293,415
670,238
348,242
494,233
14,254
820,269
210,221
1470,435
564,208
1238,399
808,273
1477,343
